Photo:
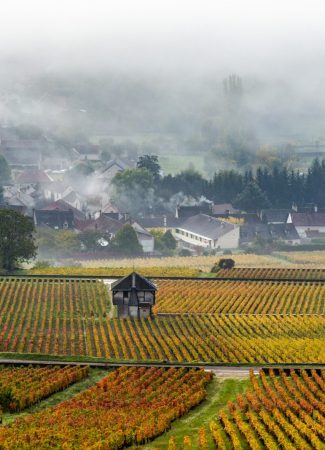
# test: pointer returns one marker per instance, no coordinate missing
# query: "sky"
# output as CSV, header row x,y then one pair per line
x,y
268,38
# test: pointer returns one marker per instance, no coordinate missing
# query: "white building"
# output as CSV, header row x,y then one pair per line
x,y
308,224
206,231
146,239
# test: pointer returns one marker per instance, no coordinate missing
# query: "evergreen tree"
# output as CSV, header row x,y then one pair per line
x,y
252,199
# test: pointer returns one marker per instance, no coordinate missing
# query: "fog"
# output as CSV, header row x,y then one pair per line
x,y
253,37
132,67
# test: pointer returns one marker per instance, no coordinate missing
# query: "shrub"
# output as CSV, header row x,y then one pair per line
x,y
226,263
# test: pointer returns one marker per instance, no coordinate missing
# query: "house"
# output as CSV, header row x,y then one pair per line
x,y
146,239
21,153
251,231
102,224
163,222
61,205
87,152
76,200
134,296
224,209
22,200
111,168
209,232
32,178
274,216
110,227
56,219
307,222
184,212
56,190
285,232
111,211
14,207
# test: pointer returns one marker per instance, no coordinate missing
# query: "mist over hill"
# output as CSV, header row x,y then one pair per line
x,y
175,78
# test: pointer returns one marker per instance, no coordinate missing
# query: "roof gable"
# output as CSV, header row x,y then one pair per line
x,y
133,281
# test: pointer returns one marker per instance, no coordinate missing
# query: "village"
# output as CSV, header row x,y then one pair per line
x,y
39,188
162,225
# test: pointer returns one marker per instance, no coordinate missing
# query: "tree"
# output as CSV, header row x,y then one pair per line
x,y
252,199
94,240
56,243
164,242
16,238
189,182
5,172
105,156
126,241
168,240
133,191
226,263
150,162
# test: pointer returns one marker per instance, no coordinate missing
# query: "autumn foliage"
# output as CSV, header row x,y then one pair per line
x,y
23,386
129,406
285,411
240,297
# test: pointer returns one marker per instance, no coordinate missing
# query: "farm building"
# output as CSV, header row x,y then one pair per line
x,y
206,231
134,296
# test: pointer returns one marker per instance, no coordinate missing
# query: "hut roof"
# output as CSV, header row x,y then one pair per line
x,y
134,280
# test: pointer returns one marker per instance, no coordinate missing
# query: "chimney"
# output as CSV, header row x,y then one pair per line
x,y
315,208
294,207
165,221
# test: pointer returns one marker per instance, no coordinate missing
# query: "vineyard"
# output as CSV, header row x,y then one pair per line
x,y
312,259
22,387
231,339
129,406
286,411
240,297
200,321
280,273
118,271
195,263
72,317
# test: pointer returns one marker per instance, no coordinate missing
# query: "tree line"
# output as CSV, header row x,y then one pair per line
x,y
145,190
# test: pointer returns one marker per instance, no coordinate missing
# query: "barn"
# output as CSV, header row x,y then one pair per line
x,y
134,296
